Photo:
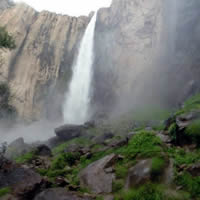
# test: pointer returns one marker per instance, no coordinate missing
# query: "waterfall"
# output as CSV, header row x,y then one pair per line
x,y
77,99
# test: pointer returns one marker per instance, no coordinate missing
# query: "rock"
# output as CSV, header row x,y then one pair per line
x,y
118,143
164,138
90,124
102,138
68,132
53,142
72,148
9,197
131,134
61,182
43,150
168,177
108,197
24,183
95,177
17,148
139,174
194,170
59,194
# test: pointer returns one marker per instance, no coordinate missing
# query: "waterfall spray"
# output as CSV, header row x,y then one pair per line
x,y
77,99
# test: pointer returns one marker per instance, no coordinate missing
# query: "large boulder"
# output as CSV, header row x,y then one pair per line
x,y
59,194
96,177
139,174
24,183
68,132
17,148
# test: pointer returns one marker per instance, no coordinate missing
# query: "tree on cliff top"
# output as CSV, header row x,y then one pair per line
x,y
6,40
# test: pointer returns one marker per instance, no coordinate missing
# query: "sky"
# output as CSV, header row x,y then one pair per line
x,y
69,7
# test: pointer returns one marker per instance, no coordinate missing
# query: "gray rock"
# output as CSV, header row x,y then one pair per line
x,y
59,194
95,177
43,150
68,132
139,174
17,148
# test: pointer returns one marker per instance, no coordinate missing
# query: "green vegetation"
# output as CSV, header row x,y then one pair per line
x,y
189,183
121,170
26,158
149,192
192,103
172,131
6,40
143,144
193,130
118,185
158,165
4,191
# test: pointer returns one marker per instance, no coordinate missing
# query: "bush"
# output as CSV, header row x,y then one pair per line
x,y
158,165
4,191
117,185
25,158
6,40
193,130
172,131
121,171
144,144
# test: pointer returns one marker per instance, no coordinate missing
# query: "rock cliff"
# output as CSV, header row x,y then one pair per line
x,y
46,46
140,47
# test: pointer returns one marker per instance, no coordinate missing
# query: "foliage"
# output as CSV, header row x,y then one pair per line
x,y
6,40
121,171
60,148
181,157
4,191
150,192
158,165
193,130
117,185
25,158
64,159
144,144
6,110
189,183
172,131
192,103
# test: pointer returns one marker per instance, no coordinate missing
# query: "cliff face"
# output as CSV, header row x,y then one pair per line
x,y
46,46
127,40
140,48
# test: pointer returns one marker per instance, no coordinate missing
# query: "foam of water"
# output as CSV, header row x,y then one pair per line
x,y
77,100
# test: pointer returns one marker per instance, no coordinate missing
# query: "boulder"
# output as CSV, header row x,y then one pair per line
x,y
68,132
96,177
17,148
59,194
139,174
43,150
194,169
108,197
24,183
118,143
102,138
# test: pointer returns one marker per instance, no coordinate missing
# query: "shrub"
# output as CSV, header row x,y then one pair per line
x,y
193,130
4,191
172,131
145,144
121,171
158,165
117,185
6,40
25,158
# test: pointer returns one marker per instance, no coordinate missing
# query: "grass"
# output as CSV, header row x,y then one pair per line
x,y
4,191
189,183
182,157
26,158
192,103
81,141
172,131
144,144
157,168
193,130
118,185
121,171
151,192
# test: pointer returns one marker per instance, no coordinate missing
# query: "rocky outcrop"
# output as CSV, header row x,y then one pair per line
x,y
46,47
59,194
95,176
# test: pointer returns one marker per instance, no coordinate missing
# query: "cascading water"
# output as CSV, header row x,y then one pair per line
x,y
76,106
